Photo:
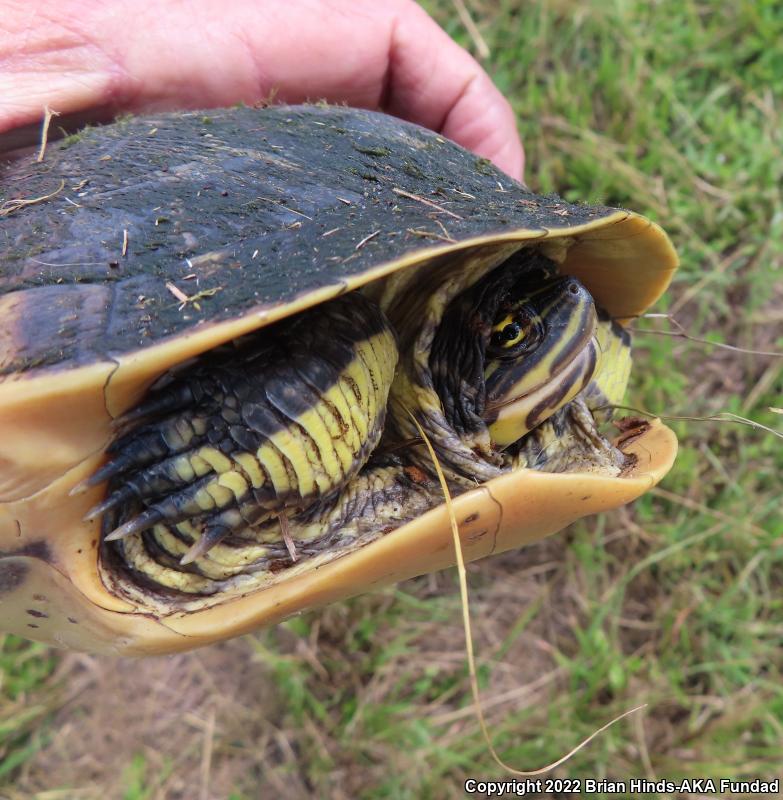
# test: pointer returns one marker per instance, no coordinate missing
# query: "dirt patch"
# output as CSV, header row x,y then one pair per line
x,y
186,726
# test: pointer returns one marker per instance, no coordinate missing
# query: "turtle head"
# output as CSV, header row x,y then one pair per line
x,y
511,350
541,353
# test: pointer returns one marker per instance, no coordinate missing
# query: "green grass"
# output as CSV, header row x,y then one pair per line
x,y
672,109
26,699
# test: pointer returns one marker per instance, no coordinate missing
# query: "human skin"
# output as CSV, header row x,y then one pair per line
x,y
97,58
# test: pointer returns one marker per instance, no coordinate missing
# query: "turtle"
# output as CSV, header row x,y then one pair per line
x,y
228,336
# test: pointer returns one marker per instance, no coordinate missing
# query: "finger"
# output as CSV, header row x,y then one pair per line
x,y
82,54
436,83
78,55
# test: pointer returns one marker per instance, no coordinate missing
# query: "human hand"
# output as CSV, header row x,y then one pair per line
x,y
96,58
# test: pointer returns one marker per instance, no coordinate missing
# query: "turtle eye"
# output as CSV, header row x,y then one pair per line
x,y
513,335
508,336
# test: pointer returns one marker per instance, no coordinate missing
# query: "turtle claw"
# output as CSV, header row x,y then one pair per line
x,y
171,509
208,539
172,468
139,452
112,501
164,401
136,525
81,487
110,470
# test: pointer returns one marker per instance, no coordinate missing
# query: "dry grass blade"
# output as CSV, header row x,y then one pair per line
x,y
177,292
424,201
482,49
206,755
193,299
366,239
9,206
681,333
764,385
430,235
286,532
723,416
463,587
48,114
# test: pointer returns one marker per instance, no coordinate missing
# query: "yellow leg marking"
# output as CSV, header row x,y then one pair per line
x,y
185,581
334,406
342,394
204,500
171,543
249,464
217,460
219,563
341,402
379,355
342,452
220,494
334,422
291,446
272,461
234,482
200,467
327,467
184,469
354,384
366,358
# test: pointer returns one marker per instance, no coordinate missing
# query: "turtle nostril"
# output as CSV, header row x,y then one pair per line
x,y
573,288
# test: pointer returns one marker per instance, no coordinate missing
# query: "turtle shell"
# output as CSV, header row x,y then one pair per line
x,y
134,247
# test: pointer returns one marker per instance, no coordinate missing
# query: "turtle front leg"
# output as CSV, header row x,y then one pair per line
x,y
282,420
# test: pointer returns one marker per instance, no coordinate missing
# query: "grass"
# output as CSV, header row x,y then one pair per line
x,y
670,109
27,696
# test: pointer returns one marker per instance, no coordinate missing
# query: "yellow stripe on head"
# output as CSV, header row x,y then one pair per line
x,y
542,352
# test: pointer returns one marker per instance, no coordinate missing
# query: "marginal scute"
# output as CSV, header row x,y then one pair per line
x,y
12,575
627,265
